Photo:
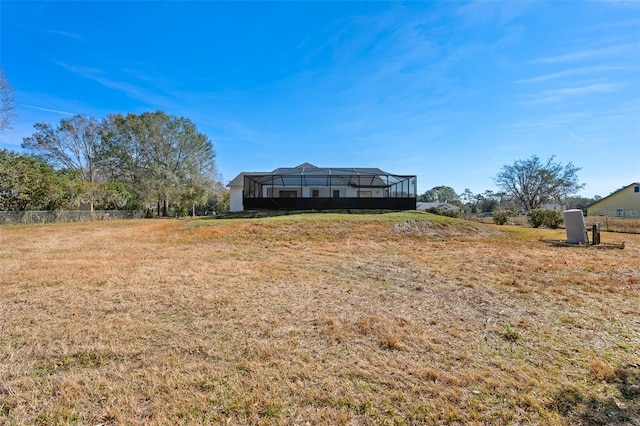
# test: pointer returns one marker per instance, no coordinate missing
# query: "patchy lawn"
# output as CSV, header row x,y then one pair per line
x,y
402,318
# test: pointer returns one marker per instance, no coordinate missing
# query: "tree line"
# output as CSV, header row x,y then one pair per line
x,y
524,186
151,161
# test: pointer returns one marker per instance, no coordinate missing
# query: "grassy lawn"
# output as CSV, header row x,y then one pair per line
x,y
401,318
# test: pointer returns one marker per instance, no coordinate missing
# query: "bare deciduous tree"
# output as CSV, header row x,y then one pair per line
x,y
534,183
7,104
72,145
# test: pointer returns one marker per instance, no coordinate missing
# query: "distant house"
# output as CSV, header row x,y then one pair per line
x,y
624,202
553,206
309,187
439,206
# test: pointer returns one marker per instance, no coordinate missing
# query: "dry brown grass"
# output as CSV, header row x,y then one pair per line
x,y
608,224
315,319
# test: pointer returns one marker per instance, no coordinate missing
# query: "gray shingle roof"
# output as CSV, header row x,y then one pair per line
x,y
312,175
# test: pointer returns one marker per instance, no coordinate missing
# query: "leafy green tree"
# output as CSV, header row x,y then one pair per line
x,y
469,201
114,196
487,201
160,157
534,183
217,202
440,194
467,196
123,156
29,183
78,191
197,192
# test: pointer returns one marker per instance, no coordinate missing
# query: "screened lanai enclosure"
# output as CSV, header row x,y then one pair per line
x,y
311,187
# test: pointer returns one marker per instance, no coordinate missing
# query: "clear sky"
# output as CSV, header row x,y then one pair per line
x,y
449,91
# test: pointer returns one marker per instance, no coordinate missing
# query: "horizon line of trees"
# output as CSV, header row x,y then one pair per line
x,y
525,185
490,201
149,161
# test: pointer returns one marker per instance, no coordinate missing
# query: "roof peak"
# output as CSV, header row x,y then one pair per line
x,y
303,165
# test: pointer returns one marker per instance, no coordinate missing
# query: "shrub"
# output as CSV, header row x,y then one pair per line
x,y
549,218
535,217
443,212
502,217
553,219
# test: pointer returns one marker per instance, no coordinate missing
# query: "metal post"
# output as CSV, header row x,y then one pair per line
x,y
387,188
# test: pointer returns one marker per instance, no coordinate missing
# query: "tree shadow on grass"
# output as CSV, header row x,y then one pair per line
x,y
620,409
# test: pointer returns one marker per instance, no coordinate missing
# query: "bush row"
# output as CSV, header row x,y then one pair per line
x,y
536,218
545,217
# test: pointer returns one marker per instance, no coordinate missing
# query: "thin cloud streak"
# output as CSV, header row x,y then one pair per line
x,y
573,72
589,53
132,91
68,35
47,109
576,137
561,94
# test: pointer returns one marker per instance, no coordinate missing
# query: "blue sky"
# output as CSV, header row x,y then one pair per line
x,y
449,91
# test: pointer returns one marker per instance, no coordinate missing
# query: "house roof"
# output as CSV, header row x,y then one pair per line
x,y
239,180
613,193
313,175
445,206
308,170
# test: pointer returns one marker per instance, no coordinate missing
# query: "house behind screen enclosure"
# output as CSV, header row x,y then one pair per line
x,y
309,187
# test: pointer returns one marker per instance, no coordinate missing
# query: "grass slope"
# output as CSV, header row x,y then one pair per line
x,y
402,318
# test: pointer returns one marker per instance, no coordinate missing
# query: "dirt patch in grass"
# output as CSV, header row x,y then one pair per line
x,y
405,318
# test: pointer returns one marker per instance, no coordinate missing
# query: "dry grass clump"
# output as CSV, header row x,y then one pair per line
x,y
614,224
404,318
